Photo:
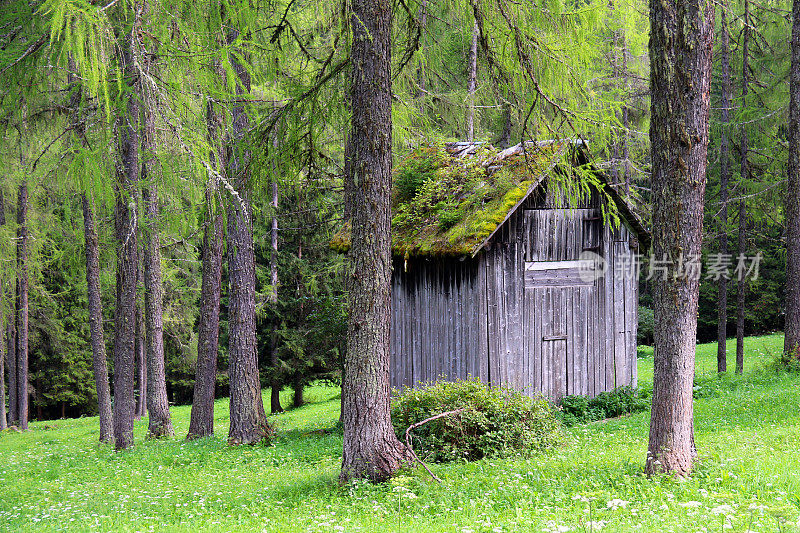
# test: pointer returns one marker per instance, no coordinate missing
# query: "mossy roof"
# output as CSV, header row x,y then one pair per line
x,y
450,205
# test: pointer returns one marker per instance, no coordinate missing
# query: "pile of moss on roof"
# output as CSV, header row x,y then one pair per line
x,y
446,205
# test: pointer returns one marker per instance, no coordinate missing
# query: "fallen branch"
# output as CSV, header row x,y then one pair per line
x,y
418,424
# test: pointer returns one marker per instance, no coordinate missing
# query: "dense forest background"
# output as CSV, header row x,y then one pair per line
x,y
496,72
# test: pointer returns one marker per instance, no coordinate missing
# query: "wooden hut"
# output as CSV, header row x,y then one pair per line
x,y
516,267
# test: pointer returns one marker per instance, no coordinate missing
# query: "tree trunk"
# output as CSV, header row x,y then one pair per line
x,y
680,71
371,449
724,177
3,353
159,420
202,418
99,363
22,306
126,225
792,339
248,420
745,176
276,385
471,82
626,152
11,362
741,287
141,361
298,400
423,26
94,297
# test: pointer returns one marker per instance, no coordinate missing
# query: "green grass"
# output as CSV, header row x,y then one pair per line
x,y
747,478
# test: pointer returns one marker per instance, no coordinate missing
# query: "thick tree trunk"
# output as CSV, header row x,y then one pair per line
x,y
680,71
745,176
371,449
3,419
297,399
275,385
3,353
201,423
724,177
99,363
159,420
92,248
792,340
471,82
22,306
126,225
248,420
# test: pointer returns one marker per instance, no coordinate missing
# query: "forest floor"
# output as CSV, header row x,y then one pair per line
x,y
57,477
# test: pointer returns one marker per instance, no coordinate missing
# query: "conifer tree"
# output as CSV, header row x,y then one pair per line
x,y
127,229
248,419
22,305
371,449
680,66
792,337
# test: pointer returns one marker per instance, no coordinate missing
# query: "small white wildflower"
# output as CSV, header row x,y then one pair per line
x,y
722,509
757,507
616,503
692,504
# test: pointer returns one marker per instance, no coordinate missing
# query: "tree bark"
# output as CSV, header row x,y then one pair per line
x,y
201,423
126,226
275,385
140,361
11,361
745,176
3,353
792,327
471,82
680,71
159,420
22,306
99,363
740,289
94,297
248,419
724,177
297,399
371,449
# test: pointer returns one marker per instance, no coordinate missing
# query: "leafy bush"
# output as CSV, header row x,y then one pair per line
x,y
644,334
495,422
620,401
412,175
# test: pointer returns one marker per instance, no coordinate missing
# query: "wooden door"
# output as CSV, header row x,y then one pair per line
x,y
559,300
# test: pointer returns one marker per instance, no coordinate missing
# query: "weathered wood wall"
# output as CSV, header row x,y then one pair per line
x,y
528,312
438,325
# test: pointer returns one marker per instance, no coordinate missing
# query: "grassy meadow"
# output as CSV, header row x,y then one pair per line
x,y
56,476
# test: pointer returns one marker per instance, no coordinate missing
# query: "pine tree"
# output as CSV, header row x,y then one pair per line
x,y
792,338
22,305
371,449
724,176
127,229
248,419
680,65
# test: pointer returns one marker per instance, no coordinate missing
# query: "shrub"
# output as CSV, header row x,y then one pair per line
x,y
620,401
644,334
495,422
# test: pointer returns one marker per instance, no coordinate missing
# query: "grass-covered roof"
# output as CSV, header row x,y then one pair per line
x,y
449,204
